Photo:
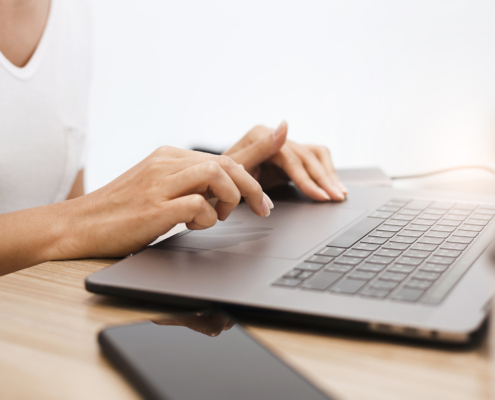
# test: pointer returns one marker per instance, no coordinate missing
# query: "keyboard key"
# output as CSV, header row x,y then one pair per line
x,y
449,222
415,227
322,280
377,293
395,204
381,214
292,273
428,222
434,267
432,217
349,286
470,227
356,232
358,253
423,247
406,269
428,276
393,276
403,217
319,259
486,217
442,205
396,222
403,200
290,282
389,228
381,234
447,253
406,294
373,240
465,206
339,267
380,284
418,204
443,228
486,210
380,260
304,274
365,275
468,234
409,261
459,239
435,211
366,246
389,209
454,246
460,212
388,252
418,284
417,253
430,240
371,267
395,246
403,239
410,212
455,217
413,234
331,251
474,221
436,234
441,260
348,260
305,266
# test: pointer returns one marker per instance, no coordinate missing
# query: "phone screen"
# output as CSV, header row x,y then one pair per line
x,y
203,356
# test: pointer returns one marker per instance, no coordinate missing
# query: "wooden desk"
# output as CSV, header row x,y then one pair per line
x,y
48,348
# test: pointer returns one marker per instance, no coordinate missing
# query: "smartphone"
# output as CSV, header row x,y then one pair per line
x,y
201,356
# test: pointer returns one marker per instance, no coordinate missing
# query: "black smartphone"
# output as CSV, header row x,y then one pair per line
x,y
201,356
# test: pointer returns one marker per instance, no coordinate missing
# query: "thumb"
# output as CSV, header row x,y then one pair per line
x,y
261,150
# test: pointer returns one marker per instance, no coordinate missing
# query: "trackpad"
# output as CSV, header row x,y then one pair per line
x,y
290,231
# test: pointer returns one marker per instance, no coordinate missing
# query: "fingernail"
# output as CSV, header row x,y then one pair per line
x,y
270,202
277,132
339,194
323,193
343,188
242,166
265,207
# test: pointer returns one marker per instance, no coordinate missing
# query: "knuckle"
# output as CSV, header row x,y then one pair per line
x,y
225,162
252,187
196,202
210,169
162,150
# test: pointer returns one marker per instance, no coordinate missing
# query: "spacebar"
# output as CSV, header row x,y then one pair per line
x,y
352,235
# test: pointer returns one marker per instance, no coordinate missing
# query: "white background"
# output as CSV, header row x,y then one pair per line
x,y
405,85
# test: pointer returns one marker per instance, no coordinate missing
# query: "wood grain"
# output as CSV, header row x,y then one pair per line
x,y
49,323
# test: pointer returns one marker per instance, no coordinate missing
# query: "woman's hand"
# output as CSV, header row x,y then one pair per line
x,y
272,159
169,187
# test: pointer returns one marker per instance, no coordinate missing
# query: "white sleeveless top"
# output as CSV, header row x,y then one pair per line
x,y
43,111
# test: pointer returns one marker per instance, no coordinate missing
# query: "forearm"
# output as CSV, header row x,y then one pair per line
x,y
32,236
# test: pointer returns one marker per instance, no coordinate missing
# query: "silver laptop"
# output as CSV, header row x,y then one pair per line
x,y
392,261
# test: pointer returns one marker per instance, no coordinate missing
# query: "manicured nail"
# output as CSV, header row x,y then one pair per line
x,y
277,132
339,194
343,188
265,207
270,202
323,193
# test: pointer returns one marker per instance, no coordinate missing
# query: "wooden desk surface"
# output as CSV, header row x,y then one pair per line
x,y
48,348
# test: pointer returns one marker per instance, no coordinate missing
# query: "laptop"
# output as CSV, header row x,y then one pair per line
x,y
400,262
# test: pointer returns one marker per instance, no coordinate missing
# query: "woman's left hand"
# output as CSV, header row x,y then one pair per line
x,y
272,159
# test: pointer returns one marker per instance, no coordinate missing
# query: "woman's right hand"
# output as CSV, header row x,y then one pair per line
x,y
169,187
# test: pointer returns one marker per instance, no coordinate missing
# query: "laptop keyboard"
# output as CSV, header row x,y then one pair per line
x,y
400,252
